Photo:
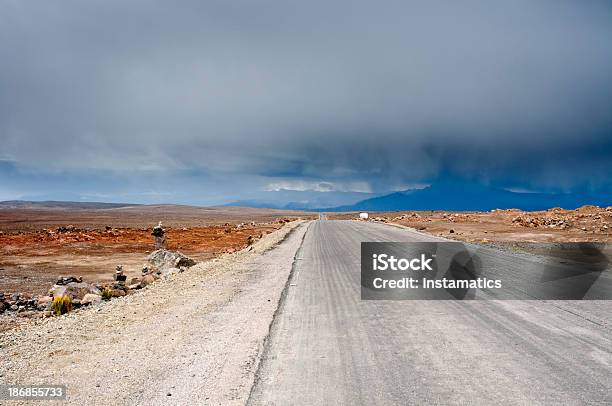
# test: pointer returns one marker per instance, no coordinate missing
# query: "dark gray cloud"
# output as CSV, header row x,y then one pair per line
x,y
227,98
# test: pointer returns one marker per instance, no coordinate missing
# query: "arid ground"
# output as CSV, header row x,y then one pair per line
x,y
585,224
560,233
38,244
242,327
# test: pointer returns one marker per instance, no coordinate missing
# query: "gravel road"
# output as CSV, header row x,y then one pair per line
x,y
196,338
329,347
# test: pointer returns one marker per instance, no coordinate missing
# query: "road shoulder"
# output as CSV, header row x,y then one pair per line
x,y
194,339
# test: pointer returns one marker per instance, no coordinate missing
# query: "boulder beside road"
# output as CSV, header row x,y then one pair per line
x,y
90,298
164,259
76,290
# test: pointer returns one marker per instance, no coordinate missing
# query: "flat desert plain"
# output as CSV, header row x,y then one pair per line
x,y
39,242
556,225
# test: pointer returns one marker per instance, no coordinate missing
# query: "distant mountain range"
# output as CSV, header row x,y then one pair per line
x,y
448,194
52,204
303,199
464,196
455,195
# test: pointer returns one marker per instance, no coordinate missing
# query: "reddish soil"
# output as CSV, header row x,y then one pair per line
x,y
585,224
36,218
38,245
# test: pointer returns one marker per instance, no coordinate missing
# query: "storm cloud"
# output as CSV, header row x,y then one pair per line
x,y
135,99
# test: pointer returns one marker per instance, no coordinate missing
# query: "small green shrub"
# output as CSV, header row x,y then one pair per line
x,y
107,294
61,305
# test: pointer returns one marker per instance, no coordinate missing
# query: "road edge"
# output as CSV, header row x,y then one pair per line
x,y
280,305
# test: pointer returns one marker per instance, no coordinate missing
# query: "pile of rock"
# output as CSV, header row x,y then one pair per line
x,y
149,275
585,218
159,236
65,280
283,220
66,229
116,289
408,217
456,217
18,303
81,293
169,262
550,222
119,275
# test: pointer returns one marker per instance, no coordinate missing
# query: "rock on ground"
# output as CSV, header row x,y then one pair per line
x,y
164,259
76,290
90,298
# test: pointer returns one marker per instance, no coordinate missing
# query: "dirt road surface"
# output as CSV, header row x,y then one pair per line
x,y
329,347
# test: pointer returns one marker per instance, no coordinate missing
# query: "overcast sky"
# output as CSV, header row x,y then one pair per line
x,y
212,101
